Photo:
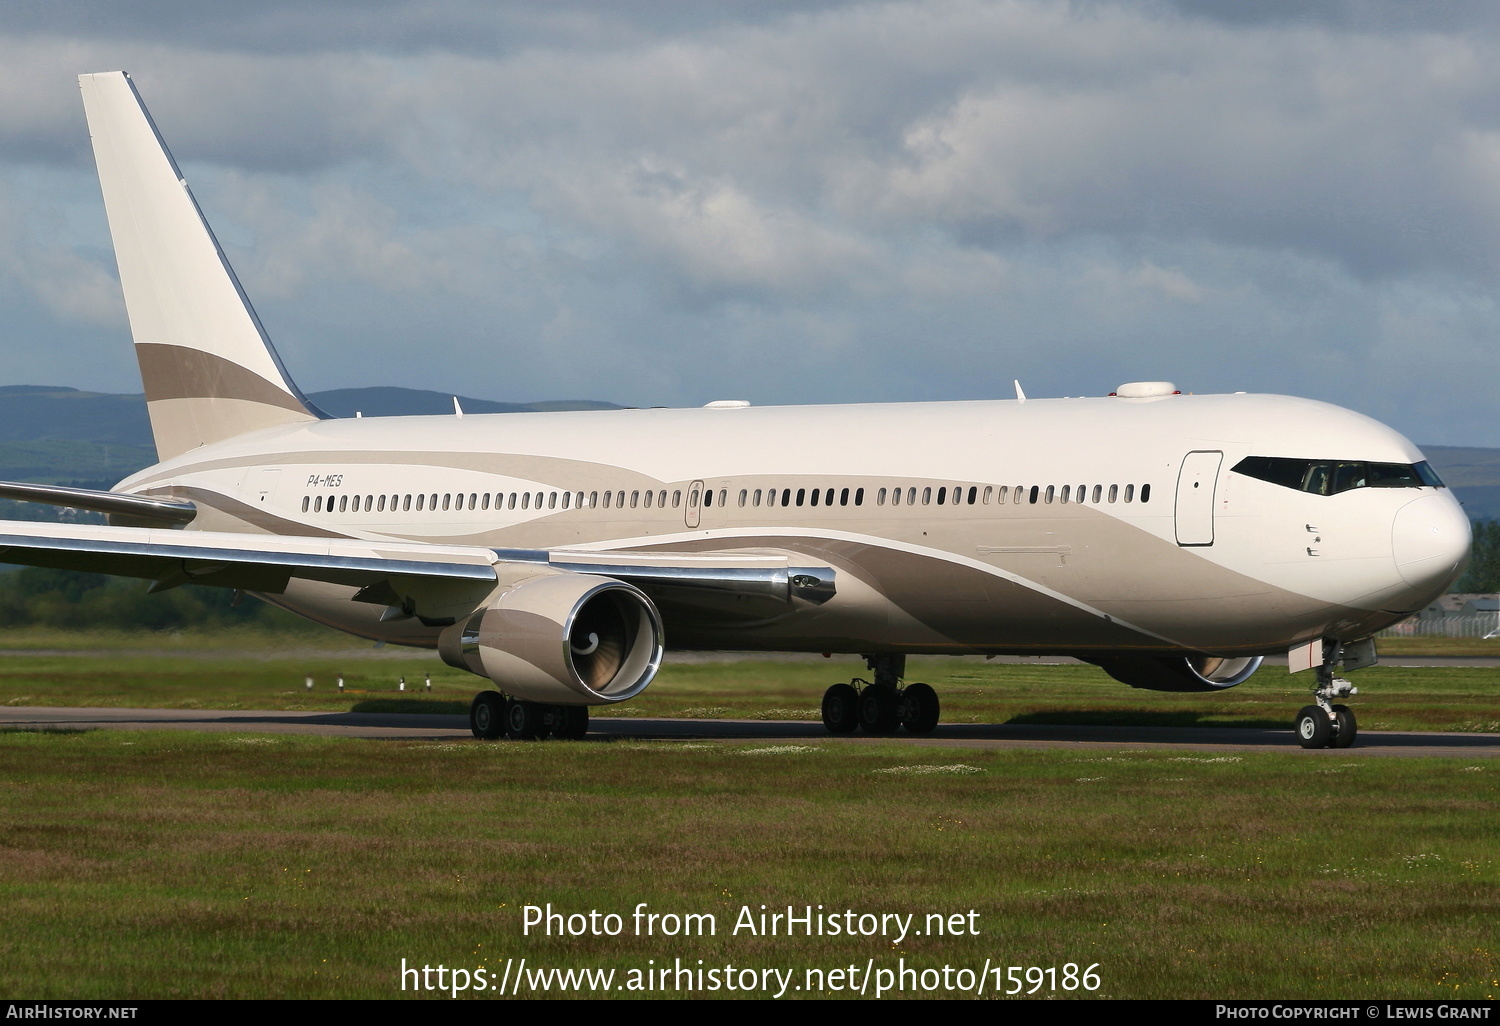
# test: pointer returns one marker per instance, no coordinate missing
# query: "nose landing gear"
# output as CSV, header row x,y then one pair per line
x,y
1325,725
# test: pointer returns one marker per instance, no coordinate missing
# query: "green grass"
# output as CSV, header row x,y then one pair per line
x,y
179,864
250,670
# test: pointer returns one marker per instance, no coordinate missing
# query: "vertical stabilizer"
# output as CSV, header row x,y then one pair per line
x,y
209,370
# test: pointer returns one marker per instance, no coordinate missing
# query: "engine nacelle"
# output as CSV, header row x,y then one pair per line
x,y
1179,673
561,638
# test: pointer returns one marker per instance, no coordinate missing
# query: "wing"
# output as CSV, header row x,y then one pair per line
x,y
425,579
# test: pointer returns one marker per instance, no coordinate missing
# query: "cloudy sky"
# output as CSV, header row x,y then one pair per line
x,y
665,202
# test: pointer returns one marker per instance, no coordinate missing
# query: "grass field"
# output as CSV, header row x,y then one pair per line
x,y
255,671
139,864
173,864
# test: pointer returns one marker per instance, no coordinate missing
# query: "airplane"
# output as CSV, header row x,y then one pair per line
x,y
1172,539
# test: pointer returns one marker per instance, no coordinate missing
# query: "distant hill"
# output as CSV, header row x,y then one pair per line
x,y
60,435
1473,474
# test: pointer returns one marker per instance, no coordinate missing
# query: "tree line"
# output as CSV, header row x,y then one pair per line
x,y
1484,564
68,599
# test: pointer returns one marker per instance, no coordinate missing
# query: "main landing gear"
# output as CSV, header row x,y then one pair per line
x,y
1325,725
492,714
882,706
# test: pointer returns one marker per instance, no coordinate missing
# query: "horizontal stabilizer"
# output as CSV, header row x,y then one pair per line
x,y
115,504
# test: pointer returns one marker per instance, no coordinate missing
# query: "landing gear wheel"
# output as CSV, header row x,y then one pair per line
x,y
919,709
487,715
570,721
1313,727
525,721
841,709
1344,727
879,709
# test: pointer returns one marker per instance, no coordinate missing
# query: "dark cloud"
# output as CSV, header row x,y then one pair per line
x,y
674,202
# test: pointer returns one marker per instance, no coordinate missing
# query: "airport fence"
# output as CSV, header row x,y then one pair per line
x,y
1475,625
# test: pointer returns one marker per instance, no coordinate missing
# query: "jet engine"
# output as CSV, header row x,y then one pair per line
x,y
1198,672
561,638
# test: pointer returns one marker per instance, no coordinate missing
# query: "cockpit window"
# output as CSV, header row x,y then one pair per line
x,y
1330,477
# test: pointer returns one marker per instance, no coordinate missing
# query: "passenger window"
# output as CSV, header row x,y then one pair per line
x,y
1098,491
801,494
859,496
1035,491
756,500
1145,493
380,506
814,497
880,497
635,498
676,498
942,492
844,497
896,497
974,492
1064,496
744,497
1049,493
927,496
1129,492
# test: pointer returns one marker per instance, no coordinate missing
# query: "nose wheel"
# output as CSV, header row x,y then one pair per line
x,y
1324,724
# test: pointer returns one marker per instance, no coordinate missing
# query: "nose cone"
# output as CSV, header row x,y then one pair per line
x,y
1430,541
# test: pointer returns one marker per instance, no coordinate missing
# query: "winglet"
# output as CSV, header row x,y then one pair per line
x,y
209,370
1020,395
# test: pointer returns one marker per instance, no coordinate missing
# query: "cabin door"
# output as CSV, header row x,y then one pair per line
x,y
1196,483
694,503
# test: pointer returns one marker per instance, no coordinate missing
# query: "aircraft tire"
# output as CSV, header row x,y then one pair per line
x,y
841,709
879,709
487,715
525,721
920,710
1345,727
572,721
1313,728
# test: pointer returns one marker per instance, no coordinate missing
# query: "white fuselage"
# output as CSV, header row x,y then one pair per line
x,y
1165,551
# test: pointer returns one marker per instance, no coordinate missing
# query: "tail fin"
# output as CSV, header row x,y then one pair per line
x,y
210,371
